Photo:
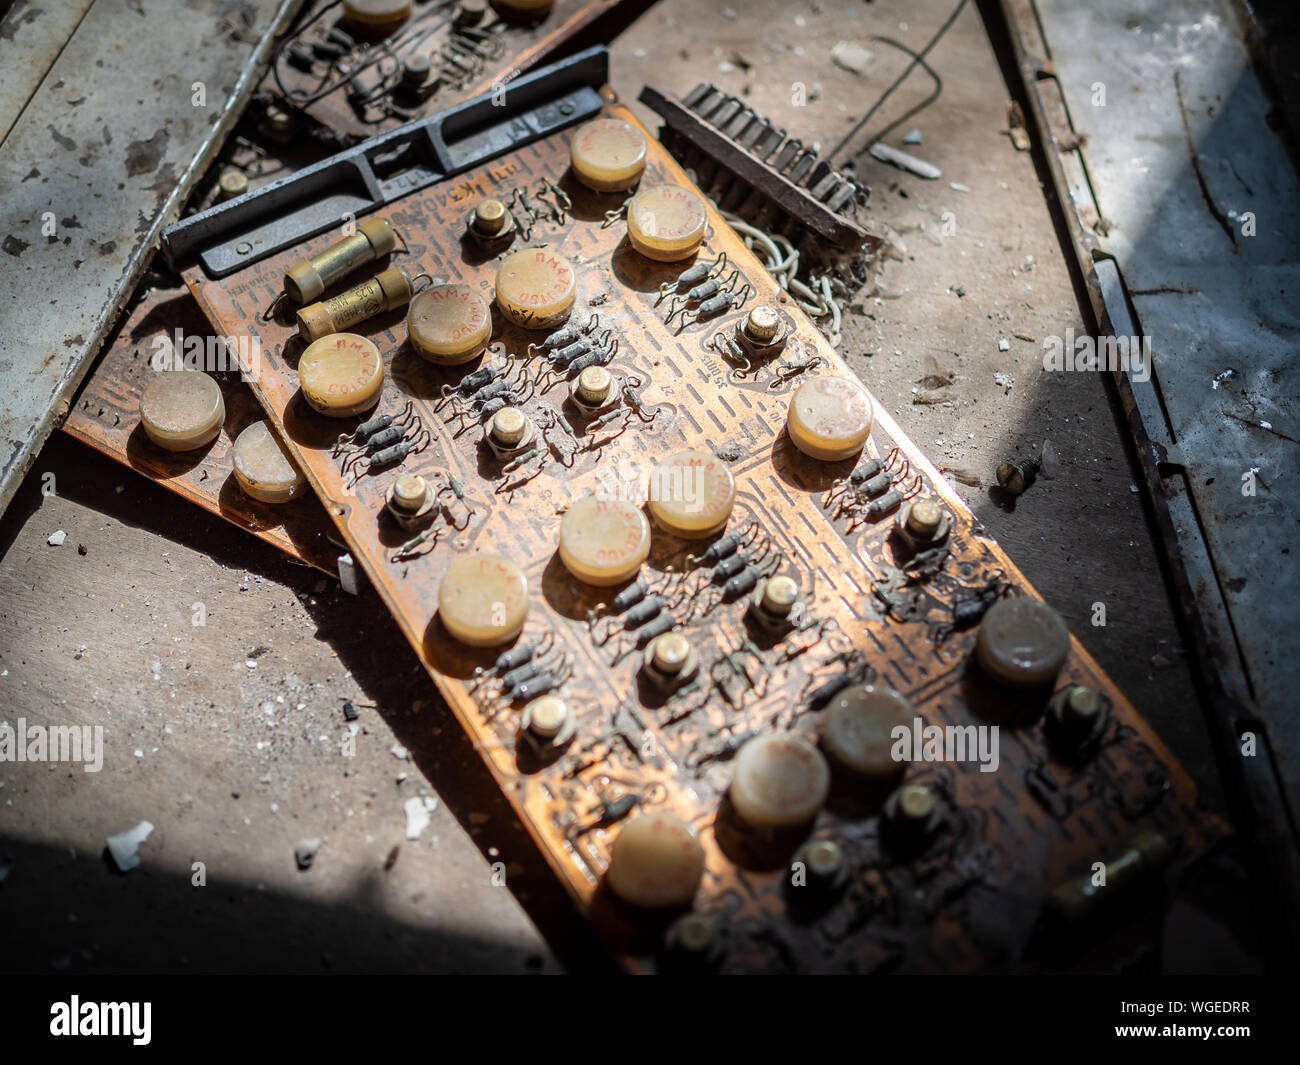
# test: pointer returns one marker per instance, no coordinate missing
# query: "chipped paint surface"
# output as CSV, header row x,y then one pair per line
x,y
95,163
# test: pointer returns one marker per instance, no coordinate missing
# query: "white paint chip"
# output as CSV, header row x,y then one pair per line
x,y
417,815
122,847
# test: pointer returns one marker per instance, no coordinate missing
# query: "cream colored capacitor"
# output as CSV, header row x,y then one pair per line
x,y
857,730
449,324
263,468
377,14
182,409
536,287
383,292
656,862
1022,643
666,222
780,780
692,494
608,154
483,600
829,418
374,238
341,374
603,541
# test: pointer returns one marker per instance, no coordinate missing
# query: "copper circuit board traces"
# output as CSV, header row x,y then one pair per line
x,y
965,904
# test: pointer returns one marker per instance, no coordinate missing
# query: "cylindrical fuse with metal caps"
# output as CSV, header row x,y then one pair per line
x,y
656,862
483,600
608,154
604,541
666,223
182,410
386,290
449,324
692,494
829,418
374,238
263,468
341,374
536,288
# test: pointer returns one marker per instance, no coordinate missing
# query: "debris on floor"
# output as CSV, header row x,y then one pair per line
x,y
418,811
905,161
304,853
851,56
122,847
57,538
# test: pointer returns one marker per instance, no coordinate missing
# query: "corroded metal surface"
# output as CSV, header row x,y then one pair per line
x,y
106,416
969,901
101,158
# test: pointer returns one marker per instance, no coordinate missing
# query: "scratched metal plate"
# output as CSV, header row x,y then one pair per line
x,y
106,415
967,903
517,47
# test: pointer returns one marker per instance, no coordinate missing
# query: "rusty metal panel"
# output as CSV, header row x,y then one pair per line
x,y
100,159
33,37
106,416
967,904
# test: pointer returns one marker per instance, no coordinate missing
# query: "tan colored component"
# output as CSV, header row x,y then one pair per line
x,y
536,288
656,862
593,386
608,154
374,238
857,730
410,491
490,217
232,183
545,717
824,858
692,494
669,653
263,468
779,596
341,374
829,418
666,223
604,541
377,13
449,324
916,804
182,410
483,600
762,324
1022,643
383,292
510,428
780,780
924,518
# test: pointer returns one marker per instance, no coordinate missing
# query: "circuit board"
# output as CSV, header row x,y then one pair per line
x,y
106,416
464,60
966,903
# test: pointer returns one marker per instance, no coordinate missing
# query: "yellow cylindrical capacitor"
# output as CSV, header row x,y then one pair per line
x,y
604,541
483,600
780,780
666,222
829,418
1022,643
373,239
857,730
608,154
523,9
449,324
656,862
536,288
263,468
377,14
182,410
383,292
692,494
341,374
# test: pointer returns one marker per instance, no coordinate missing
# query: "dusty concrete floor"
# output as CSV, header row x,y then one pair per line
x,y
236,763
